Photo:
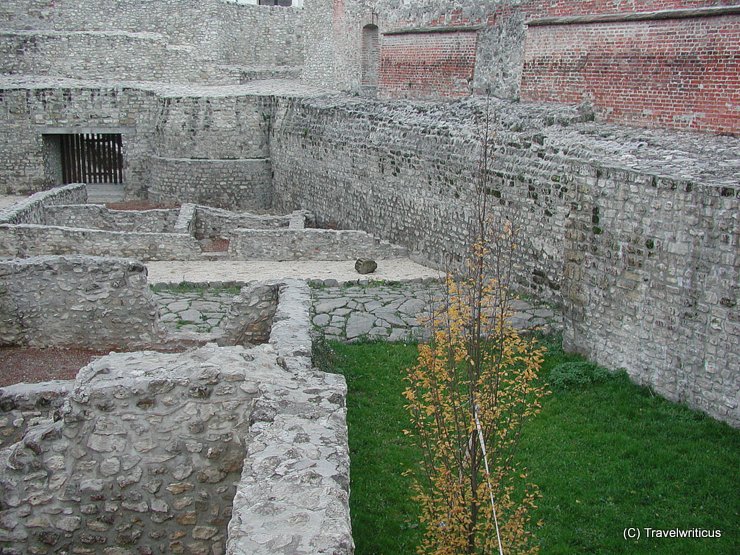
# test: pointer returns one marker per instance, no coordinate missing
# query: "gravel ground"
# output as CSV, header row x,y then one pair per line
x,y
397,269
27,365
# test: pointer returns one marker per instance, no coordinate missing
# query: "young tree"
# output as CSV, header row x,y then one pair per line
x,y
474,385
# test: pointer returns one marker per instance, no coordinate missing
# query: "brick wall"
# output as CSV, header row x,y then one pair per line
x,y
677,73
423,65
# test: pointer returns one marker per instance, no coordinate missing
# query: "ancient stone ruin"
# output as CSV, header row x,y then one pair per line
x,y
334,130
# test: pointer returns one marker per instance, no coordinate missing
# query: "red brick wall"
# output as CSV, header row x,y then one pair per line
x,y
678,73
538,8
427,65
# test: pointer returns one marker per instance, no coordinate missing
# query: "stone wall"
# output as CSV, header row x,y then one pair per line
x,y
76,300
146,454
93,216
33,209
165,40
179,145
233,184
651,285
30,111
404,172
214,222
308,244
24,405
249,319
34,240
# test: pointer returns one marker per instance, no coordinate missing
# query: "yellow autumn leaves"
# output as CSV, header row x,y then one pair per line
x,y
475,365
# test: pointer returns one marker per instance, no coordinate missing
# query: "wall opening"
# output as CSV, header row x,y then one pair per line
x,y
83,158
370,57
284,3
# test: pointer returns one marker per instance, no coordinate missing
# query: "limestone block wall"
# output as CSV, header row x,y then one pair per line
x,y
232,184
652,285
308,244
104,55
96,216
213,150
179,145
33,210
404,172
76,300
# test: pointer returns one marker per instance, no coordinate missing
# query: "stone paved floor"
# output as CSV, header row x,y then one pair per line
x,y
200,310
391,311
349,313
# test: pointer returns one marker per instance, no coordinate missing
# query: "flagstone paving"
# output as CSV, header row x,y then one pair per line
x,y
392,312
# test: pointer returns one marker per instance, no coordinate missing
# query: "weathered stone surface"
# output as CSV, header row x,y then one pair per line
x,y
134,478
64,284
365,266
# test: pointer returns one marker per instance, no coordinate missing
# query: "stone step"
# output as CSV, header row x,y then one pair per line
x,y
101,193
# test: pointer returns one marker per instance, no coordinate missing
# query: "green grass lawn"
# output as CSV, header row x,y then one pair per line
x,y
606,457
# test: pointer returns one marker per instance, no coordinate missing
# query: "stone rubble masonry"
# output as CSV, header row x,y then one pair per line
x,y
597,205
309,244
180,143
77,300
33,209
149,445
95,216
651,284
216,222
294,491
250,315
23,405
36,240
168,40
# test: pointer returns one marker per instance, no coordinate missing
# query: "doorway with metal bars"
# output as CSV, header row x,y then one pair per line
x,y
84,158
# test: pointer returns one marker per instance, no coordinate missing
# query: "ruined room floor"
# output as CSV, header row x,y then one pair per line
x,y
31,365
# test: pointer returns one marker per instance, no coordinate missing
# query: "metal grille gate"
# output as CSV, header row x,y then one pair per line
x,y
92,158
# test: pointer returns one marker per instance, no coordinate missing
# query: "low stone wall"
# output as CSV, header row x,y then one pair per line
x,y
76,300
397,311
36,240
32,210
146,453
309,244
94,216
294,492
216,222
